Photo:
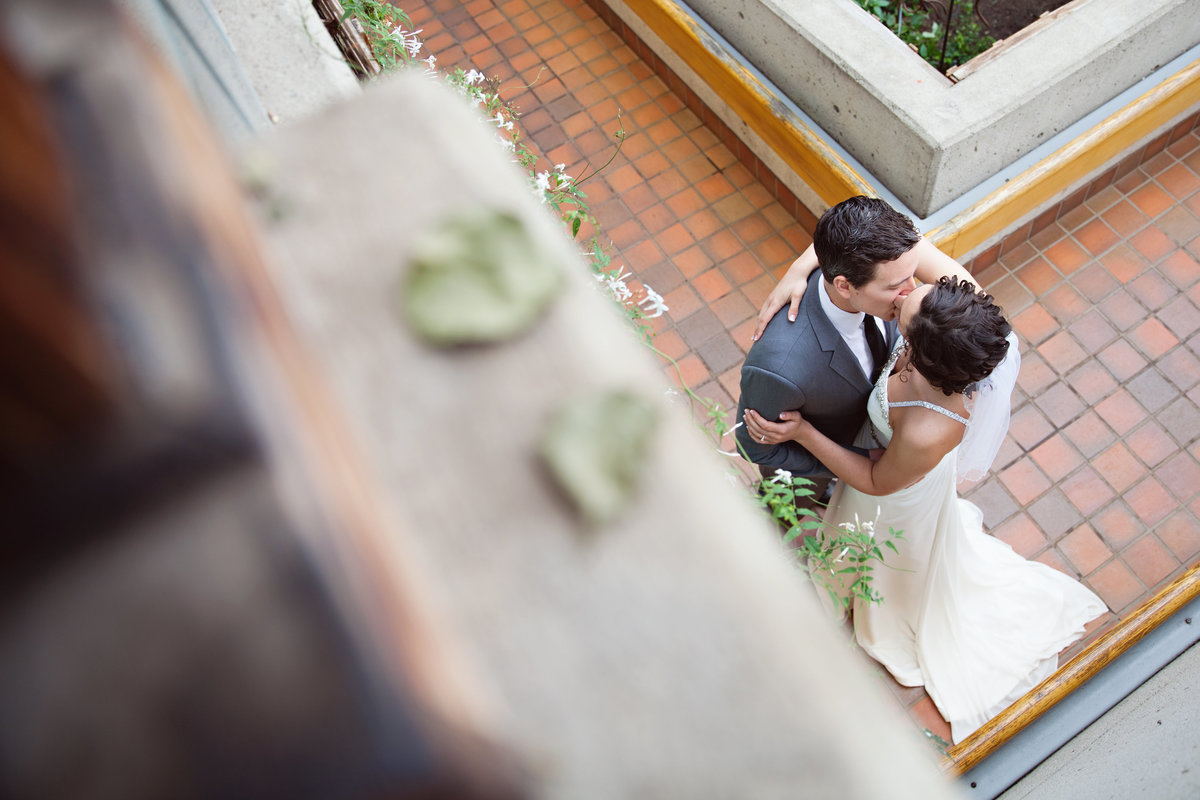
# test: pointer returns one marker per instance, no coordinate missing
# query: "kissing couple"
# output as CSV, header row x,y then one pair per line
x,y
902,390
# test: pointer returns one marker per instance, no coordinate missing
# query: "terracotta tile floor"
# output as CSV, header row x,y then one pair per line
x,y
1100,475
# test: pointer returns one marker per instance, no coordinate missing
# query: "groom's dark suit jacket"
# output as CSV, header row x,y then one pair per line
x,y
804,366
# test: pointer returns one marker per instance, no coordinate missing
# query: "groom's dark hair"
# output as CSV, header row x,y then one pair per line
x,y
858,233
958,335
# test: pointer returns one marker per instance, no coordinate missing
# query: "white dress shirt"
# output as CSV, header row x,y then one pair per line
x,y
849,324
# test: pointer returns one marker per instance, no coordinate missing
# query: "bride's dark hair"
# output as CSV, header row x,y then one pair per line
x,y
957,336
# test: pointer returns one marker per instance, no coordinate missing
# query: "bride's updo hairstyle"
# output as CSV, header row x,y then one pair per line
x,y
957,336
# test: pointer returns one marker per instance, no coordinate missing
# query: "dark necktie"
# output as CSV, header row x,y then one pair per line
x,y
876,345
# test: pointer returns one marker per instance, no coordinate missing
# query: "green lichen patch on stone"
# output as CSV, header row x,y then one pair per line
x,y
478,277
596,448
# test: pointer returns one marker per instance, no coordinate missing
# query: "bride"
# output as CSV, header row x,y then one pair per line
x,y
962,615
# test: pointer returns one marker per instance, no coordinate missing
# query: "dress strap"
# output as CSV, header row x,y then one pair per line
x,y
932,407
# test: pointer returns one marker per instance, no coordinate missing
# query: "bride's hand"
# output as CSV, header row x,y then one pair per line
x,y
790,289
765,432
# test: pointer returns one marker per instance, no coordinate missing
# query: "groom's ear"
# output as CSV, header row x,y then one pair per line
x,y
842,286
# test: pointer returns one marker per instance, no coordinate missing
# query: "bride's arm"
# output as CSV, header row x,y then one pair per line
x,y
790,289
915,449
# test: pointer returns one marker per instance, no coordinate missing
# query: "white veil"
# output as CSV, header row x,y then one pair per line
x,y
989,406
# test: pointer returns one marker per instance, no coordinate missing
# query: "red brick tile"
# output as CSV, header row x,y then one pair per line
x,y
1150,501
697,169
1152,289
723,245
742,268
1181,316
752,229
1117,586
1087,491
668,184
671,344
1025,481
680,152
742,332
1029,427
682,302
1184,418
733,308
661,276
1060,404
1090,434
1022,535
1084,549
702,224
1181,368
1074,217
1125,218
1152,243
1121,411
1124,262
1181,269
1094,282
757,290
639,198
1052,558
1035,374
1149,560
656,220
1038,275
1181,534
775,252
1067,256
1151,443
1054,514
1119,467
1123,310
1092,382
1179,224
1152,390
733,208
1096,236
1122,360
692,261
711,285
730,381
1062,352
1056,457
1182,476
1103,198
1153,338
688,371
1117,524
1093,331
1035,324
1151,200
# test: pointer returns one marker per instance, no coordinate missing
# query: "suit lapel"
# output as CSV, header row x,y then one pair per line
x,y
841,358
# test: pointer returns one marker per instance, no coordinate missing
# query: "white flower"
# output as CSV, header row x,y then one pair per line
x,y
507,144
782,476
653,303
501,123
430,62
473,77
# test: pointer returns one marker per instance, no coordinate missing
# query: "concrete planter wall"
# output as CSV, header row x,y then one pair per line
x,y
925,137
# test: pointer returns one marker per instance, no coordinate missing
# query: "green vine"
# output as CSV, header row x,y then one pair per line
x,y
918,26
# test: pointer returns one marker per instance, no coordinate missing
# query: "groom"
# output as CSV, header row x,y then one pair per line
x,y
824,364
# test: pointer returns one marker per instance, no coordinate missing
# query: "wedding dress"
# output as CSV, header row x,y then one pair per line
x,y
962,614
